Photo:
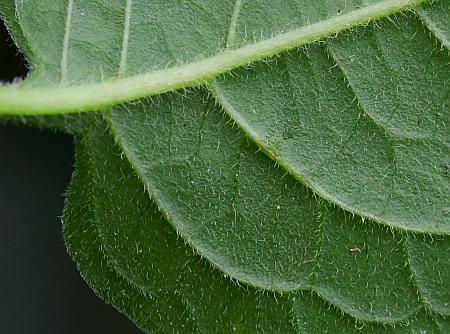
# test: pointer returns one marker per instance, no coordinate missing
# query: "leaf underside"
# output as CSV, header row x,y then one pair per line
x,y
326,208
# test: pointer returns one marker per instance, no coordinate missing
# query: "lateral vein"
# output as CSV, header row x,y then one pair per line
x,y
231,38
126,36
65,49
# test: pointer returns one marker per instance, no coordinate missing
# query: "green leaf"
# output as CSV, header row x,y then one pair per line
x,y
160,311
314,316
436,19
383,124
430,263
292,260
166,288
256,223
374,102
134,260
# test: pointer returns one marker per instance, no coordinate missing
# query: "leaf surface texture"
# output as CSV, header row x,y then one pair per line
x,y
322,190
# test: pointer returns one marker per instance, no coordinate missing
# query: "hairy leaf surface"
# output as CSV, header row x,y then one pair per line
x,y
375,102
251,219
140,265
362,119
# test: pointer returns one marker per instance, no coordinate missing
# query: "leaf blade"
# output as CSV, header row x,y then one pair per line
x,y
331,143
237,225
203,301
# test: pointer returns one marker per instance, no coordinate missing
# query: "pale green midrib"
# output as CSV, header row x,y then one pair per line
x,y
15,100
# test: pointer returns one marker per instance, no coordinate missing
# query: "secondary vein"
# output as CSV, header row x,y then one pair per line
x,y
233,24
89,97
126,36
65,49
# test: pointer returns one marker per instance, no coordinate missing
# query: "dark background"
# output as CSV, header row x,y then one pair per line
x,y
40,288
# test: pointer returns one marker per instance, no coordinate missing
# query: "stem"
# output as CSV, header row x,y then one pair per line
x,y
89,97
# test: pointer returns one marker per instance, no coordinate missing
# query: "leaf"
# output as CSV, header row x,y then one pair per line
x,y
229,201
381,130
117,236
84,245
141,288
247,217
432,276
314,316
436,19
374,102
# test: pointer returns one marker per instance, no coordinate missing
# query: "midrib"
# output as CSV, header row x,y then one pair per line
x,y
89,97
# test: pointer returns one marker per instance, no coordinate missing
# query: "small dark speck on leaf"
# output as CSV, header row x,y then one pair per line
x,y
446,168
287,134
